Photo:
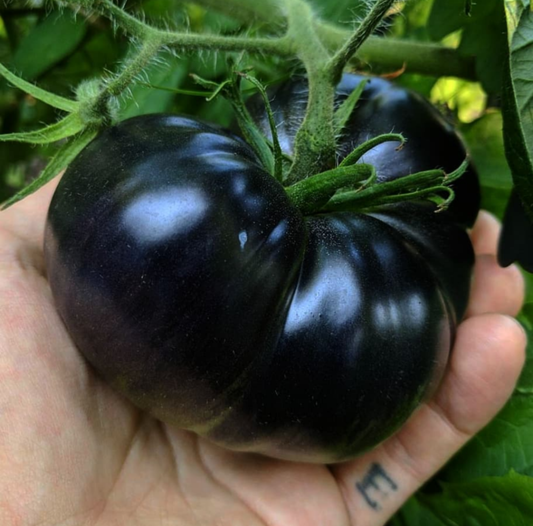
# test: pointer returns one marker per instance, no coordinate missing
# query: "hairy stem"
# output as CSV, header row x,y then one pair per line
x,y
133,26
391,54
384,53
365,29
314,145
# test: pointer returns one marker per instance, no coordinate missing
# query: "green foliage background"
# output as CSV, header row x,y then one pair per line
x,y
489,482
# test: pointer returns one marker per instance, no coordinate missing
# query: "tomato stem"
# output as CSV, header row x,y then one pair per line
x,y
385,54
314,144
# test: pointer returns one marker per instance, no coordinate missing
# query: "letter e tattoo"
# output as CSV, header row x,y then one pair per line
x,y
371,483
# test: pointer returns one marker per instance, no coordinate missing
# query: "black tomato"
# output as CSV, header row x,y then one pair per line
x,y
192,284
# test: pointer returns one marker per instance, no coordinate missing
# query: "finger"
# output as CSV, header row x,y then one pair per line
x,y
495,289
26,219
485,233
486,362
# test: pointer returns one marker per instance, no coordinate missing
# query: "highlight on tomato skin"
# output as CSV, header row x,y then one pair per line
x,y
193,285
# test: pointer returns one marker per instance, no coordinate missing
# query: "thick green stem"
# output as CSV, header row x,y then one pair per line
x,y
314,145
365,29
132,68
392,54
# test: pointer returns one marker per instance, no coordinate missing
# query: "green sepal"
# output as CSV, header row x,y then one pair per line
x,y
345,110
230,89
66,127
427,184
356,154
40,94
276,148
312,194
59,162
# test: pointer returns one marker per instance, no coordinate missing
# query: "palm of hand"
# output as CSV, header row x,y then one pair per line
x,y
73,452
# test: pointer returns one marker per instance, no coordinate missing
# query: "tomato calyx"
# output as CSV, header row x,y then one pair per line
x,y
429,184
333,190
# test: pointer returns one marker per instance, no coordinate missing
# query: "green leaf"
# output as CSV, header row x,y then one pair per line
x,y
485,39
485,142
448,16
40,94
169,73
49,42
59,162
503,445
414,513
412,24
487,501
483,35
276,148
517,103
62,129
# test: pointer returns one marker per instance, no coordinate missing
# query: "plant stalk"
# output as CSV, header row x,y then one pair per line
x,y
385,54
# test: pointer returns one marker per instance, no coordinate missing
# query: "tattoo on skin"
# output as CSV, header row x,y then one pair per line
x,y
376,484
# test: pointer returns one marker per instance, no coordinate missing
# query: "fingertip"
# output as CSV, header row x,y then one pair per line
x,y
495,289
485,233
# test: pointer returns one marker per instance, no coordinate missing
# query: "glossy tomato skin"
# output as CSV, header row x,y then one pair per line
x,y
383,107
191,283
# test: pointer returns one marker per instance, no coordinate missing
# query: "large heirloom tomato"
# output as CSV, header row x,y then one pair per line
x,y
192,284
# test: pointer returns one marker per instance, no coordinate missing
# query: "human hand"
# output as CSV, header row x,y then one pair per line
x,y
73,452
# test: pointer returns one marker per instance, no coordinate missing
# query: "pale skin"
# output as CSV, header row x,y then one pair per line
x,y
72,452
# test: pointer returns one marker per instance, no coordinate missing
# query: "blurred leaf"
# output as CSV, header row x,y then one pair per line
x,y
100,52
49,42
168,73
518,104
486,41
488,501
483,35
485,143
414,513
412,23
467,99
341,11
448,16
421,83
